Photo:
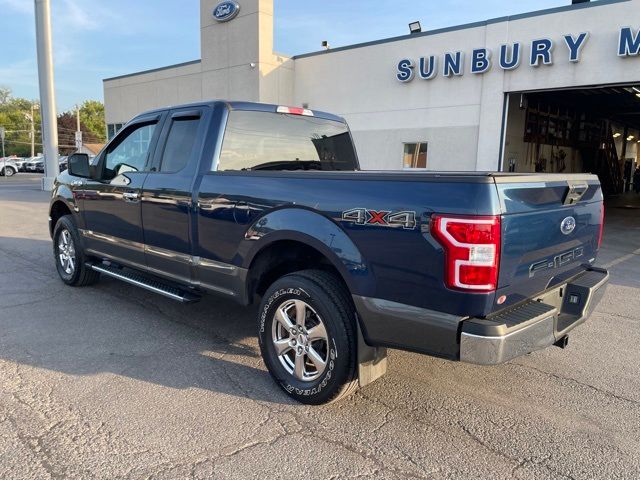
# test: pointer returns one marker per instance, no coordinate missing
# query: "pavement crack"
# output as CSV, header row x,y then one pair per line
x,y
371,457
520,463
31,302
577,382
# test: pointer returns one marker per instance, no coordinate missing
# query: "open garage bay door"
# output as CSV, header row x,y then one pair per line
x,y
590,130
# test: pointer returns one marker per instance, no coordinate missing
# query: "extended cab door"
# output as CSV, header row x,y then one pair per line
x,y
167,193
112,203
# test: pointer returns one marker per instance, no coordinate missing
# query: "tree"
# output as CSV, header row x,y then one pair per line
x,y
67,126
15,118
5,95
92,116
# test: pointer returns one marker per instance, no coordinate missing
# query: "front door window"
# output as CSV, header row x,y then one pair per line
x,y
129,154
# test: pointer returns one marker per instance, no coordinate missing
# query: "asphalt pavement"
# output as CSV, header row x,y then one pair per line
x,y
111,381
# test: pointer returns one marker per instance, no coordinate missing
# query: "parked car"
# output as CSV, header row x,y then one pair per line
x,y
267,204
20,163
29,165
35,164
8,167
27,161
62,163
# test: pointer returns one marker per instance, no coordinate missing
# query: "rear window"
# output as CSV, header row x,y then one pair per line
x,y
274,141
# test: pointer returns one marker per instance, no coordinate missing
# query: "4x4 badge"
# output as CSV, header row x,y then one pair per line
x,y
383,218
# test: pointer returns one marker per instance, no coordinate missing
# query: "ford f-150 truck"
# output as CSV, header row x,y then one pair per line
x,y
267,204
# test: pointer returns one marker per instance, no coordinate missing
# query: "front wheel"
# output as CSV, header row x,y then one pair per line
x,y
69,256
307,337
8,172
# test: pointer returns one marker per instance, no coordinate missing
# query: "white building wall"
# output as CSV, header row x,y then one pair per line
x,y
460,117
126,97
238,63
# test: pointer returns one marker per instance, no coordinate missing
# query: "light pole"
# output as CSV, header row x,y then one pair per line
x,y
47,93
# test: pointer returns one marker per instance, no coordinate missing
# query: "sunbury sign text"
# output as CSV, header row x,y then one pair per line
x,y
510,56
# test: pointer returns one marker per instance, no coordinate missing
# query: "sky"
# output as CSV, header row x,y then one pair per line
x,y
96,39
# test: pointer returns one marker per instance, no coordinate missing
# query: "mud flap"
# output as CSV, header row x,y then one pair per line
x,y
372,361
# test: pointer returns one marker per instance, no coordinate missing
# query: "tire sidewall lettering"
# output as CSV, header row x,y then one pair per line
x,y
281,295
295,291
318,388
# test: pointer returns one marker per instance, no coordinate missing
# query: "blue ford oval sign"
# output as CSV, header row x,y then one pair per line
x,y
226,11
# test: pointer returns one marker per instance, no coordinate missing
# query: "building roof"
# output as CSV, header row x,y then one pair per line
x,y
483,23
142,72
93,148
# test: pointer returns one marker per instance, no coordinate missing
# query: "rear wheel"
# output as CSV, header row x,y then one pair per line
x,y
307,337
69,256
8,172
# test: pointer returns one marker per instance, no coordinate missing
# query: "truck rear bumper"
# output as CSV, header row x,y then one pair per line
x,y
530,326
533,325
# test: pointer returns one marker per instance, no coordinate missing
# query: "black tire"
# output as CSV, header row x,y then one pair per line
x,y
330,305
80,275
8,171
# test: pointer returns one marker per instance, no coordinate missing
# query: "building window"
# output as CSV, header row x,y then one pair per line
x,y
415,155
130,154
113,129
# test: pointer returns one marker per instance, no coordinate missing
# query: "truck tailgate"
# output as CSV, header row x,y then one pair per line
x,y
550,232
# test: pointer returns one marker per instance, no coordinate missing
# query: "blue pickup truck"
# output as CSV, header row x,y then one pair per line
x,y
267,204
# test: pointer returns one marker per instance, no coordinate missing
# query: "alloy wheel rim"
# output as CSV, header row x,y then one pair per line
x,y
300,340
66,252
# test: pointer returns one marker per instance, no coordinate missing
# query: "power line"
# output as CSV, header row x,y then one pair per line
x,y
22,143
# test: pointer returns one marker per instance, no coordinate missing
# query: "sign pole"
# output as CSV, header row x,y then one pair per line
x,y
47,93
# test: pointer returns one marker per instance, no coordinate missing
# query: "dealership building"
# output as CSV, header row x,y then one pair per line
x,y
556,90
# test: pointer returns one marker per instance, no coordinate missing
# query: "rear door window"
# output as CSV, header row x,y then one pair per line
x,y
274,141
181,140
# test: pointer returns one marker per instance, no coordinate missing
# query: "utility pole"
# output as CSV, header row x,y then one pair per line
x,y
32,132
2,138
78,131
47,93
4,160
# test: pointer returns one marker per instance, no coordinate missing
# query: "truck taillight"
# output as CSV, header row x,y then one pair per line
x,y
601,226
472,251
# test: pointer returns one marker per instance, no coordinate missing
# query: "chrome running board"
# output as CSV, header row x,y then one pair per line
x,y
142,281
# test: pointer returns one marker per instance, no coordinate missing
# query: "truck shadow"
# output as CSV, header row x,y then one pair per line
x,y
115,328
128,332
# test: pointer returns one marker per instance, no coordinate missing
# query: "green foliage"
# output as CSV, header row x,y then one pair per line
x,y
92,117
68,124
5,95
15,117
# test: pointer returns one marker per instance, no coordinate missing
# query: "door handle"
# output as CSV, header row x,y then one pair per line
x,y
130,196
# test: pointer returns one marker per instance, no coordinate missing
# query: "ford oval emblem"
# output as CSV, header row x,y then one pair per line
x,y
226,11
568,225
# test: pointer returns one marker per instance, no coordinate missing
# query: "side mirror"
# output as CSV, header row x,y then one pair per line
x,y
78,165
